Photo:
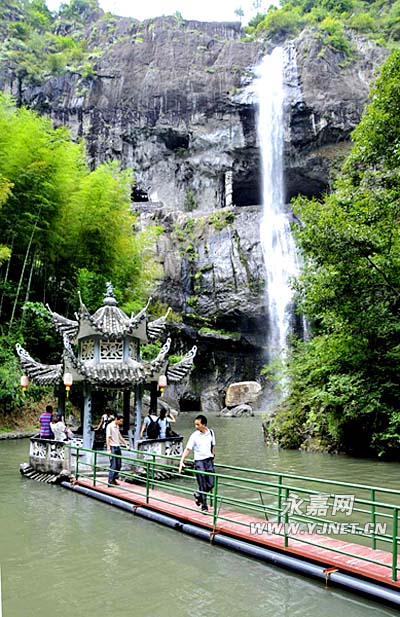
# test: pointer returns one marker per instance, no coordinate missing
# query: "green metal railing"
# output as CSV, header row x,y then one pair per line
x,y
292,506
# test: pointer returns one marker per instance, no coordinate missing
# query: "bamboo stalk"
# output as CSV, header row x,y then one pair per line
x,y
21,278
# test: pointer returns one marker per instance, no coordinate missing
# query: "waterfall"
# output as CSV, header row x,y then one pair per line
x,y
276,238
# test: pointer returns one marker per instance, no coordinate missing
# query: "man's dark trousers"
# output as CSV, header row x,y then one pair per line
x,y
115,464
206,483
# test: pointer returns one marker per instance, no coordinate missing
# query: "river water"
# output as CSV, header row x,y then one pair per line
x,y
65,555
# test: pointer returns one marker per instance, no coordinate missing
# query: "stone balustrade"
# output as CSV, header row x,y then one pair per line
x,y
49,455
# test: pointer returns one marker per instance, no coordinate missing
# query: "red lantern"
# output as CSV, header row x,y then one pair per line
x,y
162,383
24,382
67,382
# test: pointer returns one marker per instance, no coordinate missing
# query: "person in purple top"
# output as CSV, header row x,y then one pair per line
x,y
44,422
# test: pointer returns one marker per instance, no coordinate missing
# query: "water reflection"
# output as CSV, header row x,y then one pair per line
x,y
64,555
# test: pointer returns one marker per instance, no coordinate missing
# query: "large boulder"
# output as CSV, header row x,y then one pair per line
x,y
237,412
242,393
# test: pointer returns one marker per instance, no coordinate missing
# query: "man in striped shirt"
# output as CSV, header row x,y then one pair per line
x,y
44,421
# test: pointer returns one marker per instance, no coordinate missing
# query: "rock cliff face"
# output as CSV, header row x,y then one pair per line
x,y
172,100
166,97
326,94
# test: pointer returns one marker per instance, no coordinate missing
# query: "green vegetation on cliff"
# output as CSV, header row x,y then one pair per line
x,y
35,44
345,387
334,20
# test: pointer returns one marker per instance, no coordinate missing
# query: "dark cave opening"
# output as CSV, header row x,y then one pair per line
x,y
139,195
189,402
246,188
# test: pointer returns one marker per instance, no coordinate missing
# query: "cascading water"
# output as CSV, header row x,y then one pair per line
x,y
276,238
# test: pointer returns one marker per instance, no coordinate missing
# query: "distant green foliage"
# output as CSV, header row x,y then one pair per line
x,y
38,330
281,23
190,201
219,332
10,389
31,48
150,351
174,359
362,22
80,10
379,20
221,219
345,387
179,19
254,21
333,35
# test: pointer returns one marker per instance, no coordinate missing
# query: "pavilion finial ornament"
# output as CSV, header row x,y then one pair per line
x,y
109,290
109,297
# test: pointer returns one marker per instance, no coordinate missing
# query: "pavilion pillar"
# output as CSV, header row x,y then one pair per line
x,y
138,410
153,397
87,417
126,410
228,189
61,403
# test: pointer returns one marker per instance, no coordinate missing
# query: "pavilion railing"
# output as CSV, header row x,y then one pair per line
x,y
297,508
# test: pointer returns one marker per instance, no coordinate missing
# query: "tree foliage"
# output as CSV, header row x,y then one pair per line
x,y
345,380
332,19
35,44
64,227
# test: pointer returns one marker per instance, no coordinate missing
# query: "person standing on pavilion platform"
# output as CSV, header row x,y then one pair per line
x,y
202,442
44,423
114,440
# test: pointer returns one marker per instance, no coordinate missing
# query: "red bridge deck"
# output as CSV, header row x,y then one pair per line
x,y
182,510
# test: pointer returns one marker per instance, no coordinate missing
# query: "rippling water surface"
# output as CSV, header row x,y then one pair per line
x,y
64,555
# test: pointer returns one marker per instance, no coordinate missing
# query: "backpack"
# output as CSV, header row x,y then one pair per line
x,y
153,429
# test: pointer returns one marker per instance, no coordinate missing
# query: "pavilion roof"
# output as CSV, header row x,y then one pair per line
x,y
125,373
110,323
177,372
42,374
156,328
63,325
120,374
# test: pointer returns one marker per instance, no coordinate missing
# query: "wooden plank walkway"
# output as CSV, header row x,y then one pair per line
x,y
185,510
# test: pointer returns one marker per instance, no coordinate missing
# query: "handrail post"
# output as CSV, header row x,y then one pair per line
x,y
279,498
286,520
153,462
394,543
94,468
147,480
373,518
215,501
77,464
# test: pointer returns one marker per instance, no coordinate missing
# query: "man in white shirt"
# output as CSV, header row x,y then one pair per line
x,y
114,440
202,442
